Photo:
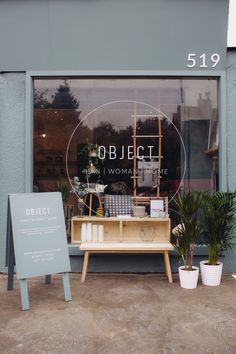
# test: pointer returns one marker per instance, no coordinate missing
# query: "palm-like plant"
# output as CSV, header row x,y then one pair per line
x,y
219,221
63,187
187,206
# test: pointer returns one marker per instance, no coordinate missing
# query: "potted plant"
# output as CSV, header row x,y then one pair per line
x,y
80,189
91,150
63,187
219,221
185,235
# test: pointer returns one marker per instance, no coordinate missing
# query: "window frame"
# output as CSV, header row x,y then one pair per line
x,y
74,250
221,76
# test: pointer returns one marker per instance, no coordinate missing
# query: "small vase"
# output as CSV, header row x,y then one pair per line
x,y
93,153
188,278
80,207
100,212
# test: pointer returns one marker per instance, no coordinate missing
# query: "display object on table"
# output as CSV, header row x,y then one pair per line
x,y
100,233
118,204
84,232
89,232
107,213
157,208
100,212
92,233
139,211
100,187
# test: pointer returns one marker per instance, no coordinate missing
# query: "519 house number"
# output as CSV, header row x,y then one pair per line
x,y
202,60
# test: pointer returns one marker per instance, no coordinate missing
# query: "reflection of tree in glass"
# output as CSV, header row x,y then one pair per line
x,y
105,134
63,98
40,101
53,124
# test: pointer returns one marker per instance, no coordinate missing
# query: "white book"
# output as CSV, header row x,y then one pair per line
x,y
156,206
83,232
89,232
100,233
94,233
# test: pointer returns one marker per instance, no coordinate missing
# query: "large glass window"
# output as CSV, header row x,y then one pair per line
x,y
144,136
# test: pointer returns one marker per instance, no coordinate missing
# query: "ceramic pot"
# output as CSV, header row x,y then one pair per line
x,y
100,212
211,274
138,211
100,188
188,278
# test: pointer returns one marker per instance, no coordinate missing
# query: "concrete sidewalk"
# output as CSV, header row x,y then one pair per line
x,y
119,313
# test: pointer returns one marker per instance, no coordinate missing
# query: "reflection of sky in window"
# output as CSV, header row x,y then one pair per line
x,y
164,94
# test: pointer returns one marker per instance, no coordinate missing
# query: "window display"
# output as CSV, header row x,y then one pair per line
x,y
141,136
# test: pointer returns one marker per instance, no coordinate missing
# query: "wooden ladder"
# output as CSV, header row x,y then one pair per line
x,y
158,156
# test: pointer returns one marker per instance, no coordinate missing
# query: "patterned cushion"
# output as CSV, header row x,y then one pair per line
x,y
118,204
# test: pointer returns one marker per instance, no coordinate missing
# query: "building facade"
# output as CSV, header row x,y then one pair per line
x,y
73,74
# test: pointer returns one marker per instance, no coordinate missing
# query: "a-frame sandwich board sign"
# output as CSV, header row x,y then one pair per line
x,y
36,240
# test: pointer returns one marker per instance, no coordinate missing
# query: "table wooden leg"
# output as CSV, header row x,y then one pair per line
x,y
85,266
167,266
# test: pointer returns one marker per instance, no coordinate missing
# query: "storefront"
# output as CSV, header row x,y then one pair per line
x,y
142,136
130,97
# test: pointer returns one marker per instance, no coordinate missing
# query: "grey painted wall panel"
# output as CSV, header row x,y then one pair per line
x,y
24,30
230,260
12,145
231,118
110,35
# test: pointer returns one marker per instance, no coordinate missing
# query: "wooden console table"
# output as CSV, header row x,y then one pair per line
x,y
126,235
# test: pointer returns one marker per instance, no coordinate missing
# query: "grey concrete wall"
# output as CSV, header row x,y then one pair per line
x,y
231,118
230,259
12,145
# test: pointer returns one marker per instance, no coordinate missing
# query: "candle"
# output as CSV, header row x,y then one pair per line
x,y
84,232
89,232
100,233
95,233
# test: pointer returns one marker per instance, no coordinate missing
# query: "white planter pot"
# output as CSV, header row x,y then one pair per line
x,y
211,274
188,278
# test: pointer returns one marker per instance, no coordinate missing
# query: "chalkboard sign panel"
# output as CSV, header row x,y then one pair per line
x,y
39,234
